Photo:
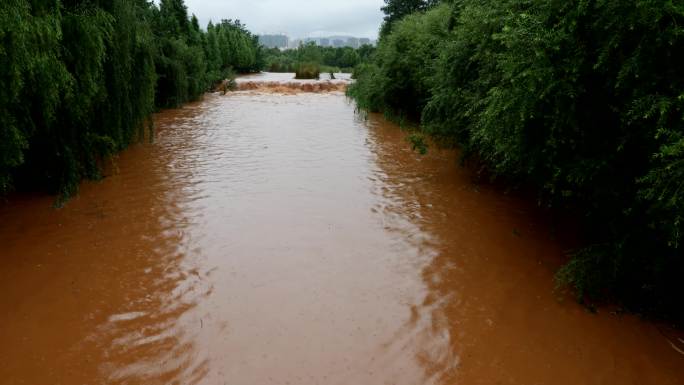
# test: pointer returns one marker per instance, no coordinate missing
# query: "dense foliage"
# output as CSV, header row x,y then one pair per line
x,y
79,79
396,10
329,59
582,99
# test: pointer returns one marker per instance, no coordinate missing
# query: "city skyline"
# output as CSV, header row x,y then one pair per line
x,y
284,41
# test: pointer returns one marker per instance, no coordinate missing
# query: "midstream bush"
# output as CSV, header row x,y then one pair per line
x,y
79,80
307,71
582,100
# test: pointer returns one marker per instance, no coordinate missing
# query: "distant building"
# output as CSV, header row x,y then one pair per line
x,y
274,41
328,41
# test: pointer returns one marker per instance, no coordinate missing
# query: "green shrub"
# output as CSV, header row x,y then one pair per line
x,y
307,71
399,78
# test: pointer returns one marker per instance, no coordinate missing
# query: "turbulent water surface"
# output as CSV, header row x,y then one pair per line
x,y
268,238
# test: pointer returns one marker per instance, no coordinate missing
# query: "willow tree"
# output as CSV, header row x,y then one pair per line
x,y
79,79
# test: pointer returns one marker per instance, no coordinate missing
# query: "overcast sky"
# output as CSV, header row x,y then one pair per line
x,y
296,18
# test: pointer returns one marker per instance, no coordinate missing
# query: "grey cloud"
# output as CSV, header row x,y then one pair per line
x,y
297,18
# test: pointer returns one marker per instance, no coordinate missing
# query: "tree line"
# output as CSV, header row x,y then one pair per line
x,y
79,80
327,59
582,100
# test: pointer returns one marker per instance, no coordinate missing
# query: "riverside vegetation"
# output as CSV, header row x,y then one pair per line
x,y
79,80
309,60
582,100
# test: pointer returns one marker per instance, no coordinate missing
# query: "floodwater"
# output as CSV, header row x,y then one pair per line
x,y
268,238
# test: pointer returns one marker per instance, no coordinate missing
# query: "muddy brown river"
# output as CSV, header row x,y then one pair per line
x,y
281,238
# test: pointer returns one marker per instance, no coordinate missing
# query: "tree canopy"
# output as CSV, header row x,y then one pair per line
x,y
395,10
